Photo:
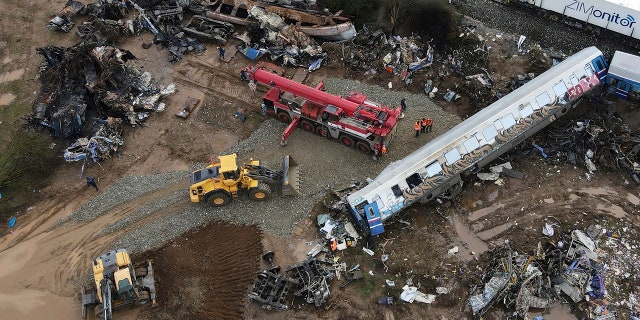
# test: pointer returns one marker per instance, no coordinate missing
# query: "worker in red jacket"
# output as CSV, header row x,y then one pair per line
x,y
417,126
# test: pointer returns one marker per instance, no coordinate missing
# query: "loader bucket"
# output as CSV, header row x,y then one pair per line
x,y
290,177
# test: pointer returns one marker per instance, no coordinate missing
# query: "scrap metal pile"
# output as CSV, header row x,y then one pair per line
x,y
87,92
271,34
593,270
605,141
309,278
397,55
267,32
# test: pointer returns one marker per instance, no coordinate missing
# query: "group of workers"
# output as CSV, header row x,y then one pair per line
x,y
423,126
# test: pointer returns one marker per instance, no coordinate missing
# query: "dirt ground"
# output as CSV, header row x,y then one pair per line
x,y
206,273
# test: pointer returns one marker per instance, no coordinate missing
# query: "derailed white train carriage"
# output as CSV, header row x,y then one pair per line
x,y
435,169
620,16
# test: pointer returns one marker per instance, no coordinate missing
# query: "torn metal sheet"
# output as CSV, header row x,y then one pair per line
x,y
492,288
411,294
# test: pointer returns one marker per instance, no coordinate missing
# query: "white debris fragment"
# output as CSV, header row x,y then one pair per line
x,y
411,294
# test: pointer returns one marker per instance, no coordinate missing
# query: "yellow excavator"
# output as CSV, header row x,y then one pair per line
x,y
117,283
220,182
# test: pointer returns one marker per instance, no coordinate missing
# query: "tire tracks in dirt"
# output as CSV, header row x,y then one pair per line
x,y
214,80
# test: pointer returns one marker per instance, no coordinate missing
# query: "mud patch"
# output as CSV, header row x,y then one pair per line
x,y
11,76
205,274
7,98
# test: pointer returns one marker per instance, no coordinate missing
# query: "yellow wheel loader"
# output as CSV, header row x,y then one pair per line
x,y
221,181
117,283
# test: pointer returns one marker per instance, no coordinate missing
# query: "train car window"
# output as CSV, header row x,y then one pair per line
x,y
452,156
543,99
378,200
396,191
413,180
599,64
526,110
434,169
589,69
462,149
508,121
574,80
560,89
489,133
471,144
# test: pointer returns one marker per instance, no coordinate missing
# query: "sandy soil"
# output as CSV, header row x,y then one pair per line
x,y
203,274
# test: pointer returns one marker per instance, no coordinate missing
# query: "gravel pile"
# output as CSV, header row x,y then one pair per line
x,y
121,191
325,164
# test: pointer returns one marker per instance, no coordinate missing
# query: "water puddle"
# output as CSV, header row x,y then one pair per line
x,y
613,210
11,76
633,199
471,241
475,215
491,233
7,98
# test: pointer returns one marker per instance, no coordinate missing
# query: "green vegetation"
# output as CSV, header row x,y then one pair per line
x,y
361,11
25,164
365,286
431,19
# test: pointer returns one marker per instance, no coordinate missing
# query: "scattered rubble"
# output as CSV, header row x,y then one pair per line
x,y
604,140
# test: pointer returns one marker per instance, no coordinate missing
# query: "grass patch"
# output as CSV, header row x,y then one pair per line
x,y
26,164
366,286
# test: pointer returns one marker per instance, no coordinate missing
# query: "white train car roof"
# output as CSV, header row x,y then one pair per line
x,y
625,66
631,4
397,171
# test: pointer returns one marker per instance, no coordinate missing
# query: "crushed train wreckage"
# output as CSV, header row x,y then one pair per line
x,y
319,24
585,268
88,93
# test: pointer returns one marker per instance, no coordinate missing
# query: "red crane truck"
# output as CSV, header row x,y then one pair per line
x,y
352,120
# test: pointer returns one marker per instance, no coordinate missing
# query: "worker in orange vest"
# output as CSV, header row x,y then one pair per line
x,y
429,123
423,125
384,149
417,127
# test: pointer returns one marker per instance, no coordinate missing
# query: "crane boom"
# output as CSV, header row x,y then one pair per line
x,y
353,120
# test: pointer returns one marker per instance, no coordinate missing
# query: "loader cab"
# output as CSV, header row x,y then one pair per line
x,y
229,169
331,114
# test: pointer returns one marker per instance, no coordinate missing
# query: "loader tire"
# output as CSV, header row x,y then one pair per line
x,y
143,298
261,192
217,198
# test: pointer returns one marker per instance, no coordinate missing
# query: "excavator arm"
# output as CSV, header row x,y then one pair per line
x,y
105,290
